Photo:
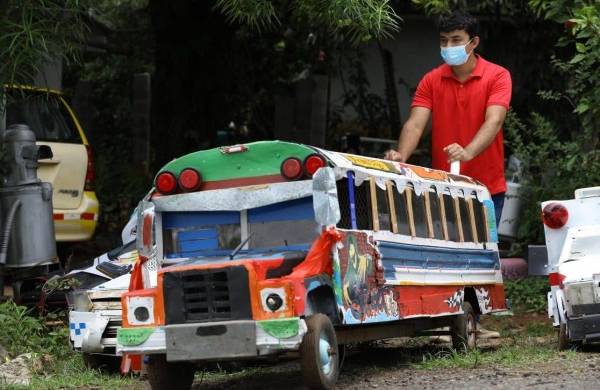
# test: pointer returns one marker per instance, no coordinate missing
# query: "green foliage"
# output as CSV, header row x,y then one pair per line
x,y
582,34
21,332
349,20
527,294
513,353
35,32
552,168
437,7
58,367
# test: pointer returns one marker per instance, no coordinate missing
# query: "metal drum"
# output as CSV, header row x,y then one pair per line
x,y
31,241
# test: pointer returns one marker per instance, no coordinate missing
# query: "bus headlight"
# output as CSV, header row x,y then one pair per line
x,y
273,299
274,302
140,310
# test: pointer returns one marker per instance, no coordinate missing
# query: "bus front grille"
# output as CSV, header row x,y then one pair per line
x,y
207,295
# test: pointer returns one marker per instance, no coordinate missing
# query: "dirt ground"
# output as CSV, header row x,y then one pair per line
x,y
379,369
397,364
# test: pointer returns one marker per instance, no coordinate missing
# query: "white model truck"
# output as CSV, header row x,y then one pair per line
x,y
572,230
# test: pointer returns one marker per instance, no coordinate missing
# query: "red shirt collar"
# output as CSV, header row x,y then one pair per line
x,y
477,72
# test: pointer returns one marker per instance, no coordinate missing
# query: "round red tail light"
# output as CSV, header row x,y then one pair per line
x,y
555,215
166,183
312,163
291,168
190,179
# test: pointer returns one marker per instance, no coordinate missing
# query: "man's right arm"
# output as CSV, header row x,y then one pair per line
x,y
411,134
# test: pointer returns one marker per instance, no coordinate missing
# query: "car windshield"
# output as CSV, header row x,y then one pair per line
x,y
285,225
44,113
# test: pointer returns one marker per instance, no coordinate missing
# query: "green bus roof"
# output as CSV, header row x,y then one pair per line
x,y
261,158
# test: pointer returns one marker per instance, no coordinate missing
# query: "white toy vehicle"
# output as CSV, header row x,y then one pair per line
x,y
572,229
95,313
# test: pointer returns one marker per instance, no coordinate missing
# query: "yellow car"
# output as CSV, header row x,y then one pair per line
x,y
71,169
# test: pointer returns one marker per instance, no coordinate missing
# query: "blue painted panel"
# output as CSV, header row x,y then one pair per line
x,y
196,245
199,234
292,210
199,218
430,257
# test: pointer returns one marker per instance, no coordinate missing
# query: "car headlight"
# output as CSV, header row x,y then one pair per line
x,y
140,310
79,300
273,299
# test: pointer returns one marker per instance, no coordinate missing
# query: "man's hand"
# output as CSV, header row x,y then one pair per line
x,y
456,152
393,155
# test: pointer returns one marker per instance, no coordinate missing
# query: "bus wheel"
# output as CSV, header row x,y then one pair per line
x,y
164,375
319,356
563,337
464,329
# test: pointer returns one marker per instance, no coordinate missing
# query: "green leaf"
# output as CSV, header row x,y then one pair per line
x,y
578,58
581,48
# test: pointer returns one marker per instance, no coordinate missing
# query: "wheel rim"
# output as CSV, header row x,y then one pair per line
x,y
325,354
471,332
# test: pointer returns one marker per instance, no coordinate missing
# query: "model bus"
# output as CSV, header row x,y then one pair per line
x,y
278,247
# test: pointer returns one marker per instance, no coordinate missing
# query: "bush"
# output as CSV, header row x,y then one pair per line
x,y
528,294
552,168
20,332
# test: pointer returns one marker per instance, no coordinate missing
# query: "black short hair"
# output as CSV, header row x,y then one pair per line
x,y
459,20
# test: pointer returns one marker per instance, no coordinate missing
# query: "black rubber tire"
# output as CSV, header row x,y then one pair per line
x,y
464,329
164,375
563,337
310,361
107,363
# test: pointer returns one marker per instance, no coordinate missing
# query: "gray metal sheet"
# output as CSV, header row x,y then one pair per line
x,y
235,199
214,340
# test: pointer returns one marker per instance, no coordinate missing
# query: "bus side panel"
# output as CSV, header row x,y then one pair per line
x,y
360,293
390,281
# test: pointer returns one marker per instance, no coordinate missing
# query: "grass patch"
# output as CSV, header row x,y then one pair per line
x,y
528,295
57,366
513,352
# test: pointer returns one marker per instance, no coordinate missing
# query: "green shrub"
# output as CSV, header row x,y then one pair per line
x,y
20,332
552,168
528,294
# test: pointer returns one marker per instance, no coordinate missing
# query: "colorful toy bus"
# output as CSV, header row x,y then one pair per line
x,y
279,248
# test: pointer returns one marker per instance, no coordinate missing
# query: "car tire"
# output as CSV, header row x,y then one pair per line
x,y
164,375
106,363
319,353
464,329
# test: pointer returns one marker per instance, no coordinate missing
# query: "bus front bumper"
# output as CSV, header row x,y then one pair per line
x,y
214,340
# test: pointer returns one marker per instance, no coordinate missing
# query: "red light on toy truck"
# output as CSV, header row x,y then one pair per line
x,y
555,215
291,168
189,180
556,279
312,163
166,183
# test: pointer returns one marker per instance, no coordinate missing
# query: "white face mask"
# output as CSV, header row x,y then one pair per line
x,y
455,55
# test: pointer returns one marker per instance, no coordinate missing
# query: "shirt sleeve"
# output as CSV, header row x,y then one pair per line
x,y
424,93
500,90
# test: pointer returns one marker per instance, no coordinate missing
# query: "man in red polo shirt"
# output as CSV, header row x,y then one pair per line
x,y
467,98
